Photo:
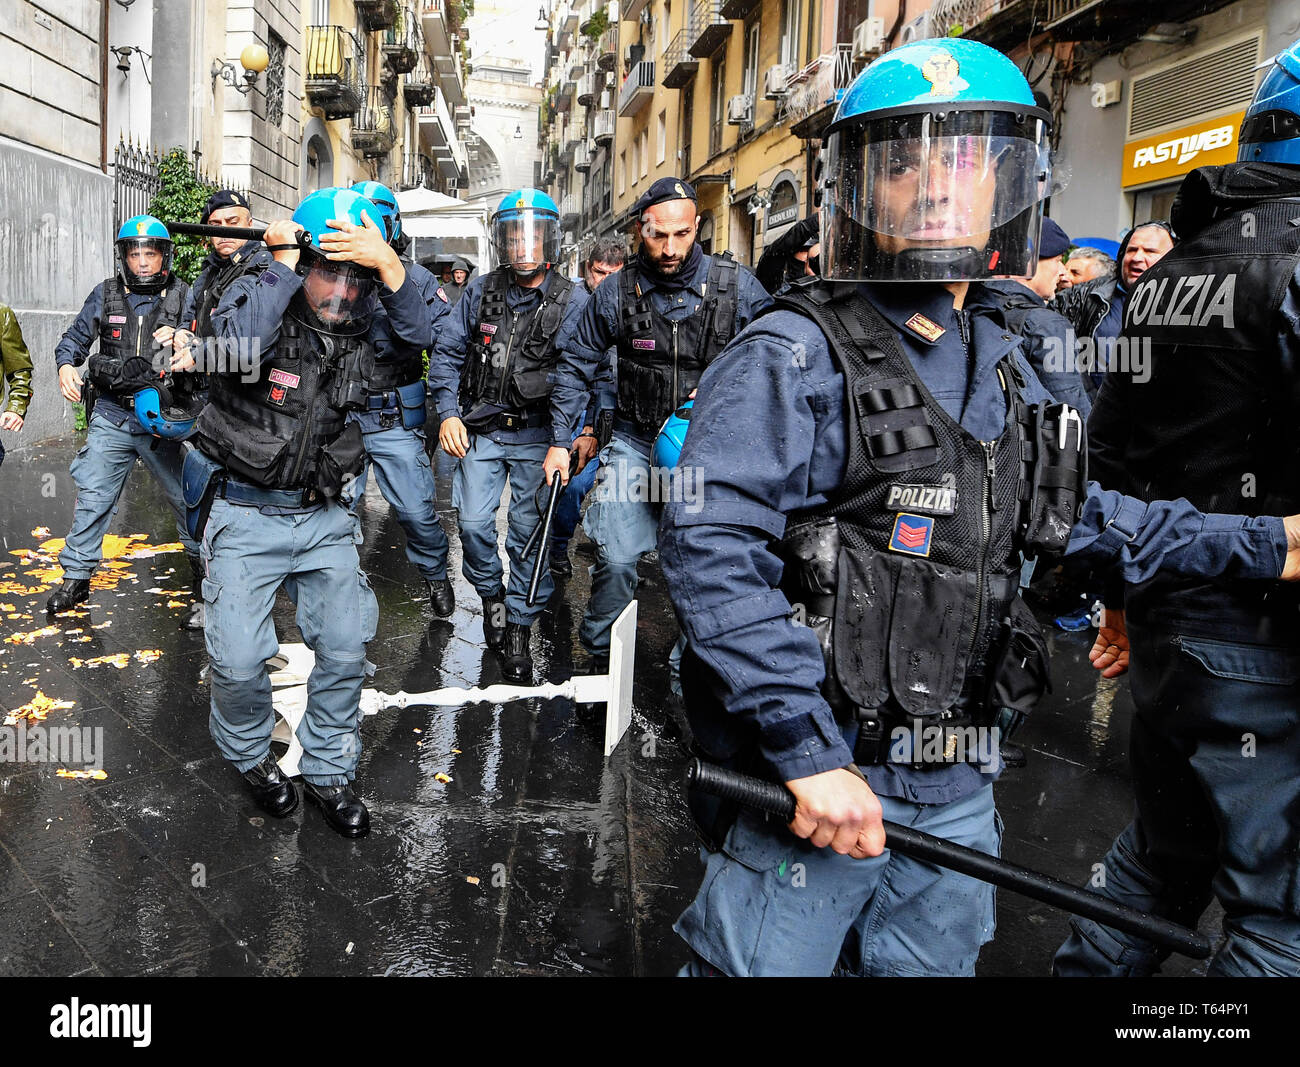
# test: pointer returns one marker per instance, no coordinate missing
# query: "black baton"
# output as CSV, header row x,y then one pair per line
x,y
247,233
541,535
776,799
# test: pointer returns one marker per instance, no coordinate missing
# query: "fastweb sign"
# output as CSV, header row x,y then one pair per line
x,y
1176,152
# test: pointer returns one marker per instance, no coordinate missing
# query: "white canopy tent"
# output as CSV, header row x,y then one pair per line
x,y
442,227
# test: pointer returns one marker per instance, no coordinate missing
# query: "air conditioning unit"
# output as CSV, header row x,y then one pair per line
x,y
774,82
740,110
919,29
868,37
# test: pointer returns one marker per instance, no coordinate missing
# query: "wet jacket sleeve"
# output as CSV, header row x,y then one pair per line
x,y
582,344
15,361
74,346
751,298
190,308
450,347
253,306
722,575
408,318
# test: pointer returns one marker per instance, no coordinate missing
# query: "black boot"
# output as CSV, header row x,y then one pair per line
x,y
198,614
343,809
517,663
494,620
558,557
441,597
72,592
273,792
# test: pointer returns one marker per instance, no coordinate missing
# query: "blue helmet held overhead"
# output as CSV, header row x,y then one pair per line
x,y
1270,132
144,254
386,201
335,291
937,161
526,231
668,444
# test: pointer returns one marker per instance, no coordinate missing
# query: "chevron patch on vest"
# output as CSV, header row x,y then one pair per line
x,y
912,534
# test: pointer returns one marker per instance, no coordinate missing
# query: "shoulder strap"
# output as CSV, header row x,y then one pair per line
x,y
556,291
721,287
634,309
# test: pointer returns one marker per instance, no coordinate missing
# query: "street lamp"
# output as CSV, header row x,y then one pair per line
x,y
253,59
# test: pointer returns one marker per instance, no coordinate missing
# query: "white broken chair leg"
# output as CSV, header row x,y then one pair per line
x,y
614,690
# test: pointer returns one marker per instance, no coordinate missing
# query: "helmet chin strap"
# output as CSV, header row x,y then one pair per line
x,y
940,264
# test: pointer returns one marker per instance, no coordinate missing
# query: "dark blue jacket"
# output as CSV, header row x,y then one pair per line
x,y
447,360
256,259
583,351
768,436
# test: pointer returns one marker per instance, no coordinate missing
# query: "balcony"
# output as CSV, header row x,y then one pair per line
x,y
813,92
586,89
607,48
577,67
373,130
402,43
333,63
569,20
638,89
739,9
569,211
438,136
708,28
602,127
679,65
631,11
376,14
437,32
582,159
417,171
419,87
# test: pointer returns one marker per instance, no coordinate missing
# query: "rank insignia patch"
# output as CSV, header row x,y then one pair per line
x,y
277,395
912,534
922,326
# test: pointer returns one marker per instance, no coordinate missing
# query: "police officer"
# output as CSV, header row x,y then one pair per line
x,y
490,373
863,444
133,316
393,425
274,454
1050,340
1214,665
603,258
669,315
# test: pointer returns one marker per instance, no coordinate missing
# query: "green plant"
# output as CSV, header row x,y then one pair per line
x,y
596,25
79,415
181,199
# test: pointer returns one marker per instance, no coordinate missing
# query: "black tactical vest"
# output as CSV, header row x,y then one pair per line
x,y
511,355
391,374
909,575
128,357
286,430
1216,421
660,362
218,279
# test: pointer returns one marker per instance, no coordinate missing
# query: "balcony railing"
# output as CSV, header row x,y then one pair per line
x,y
333,64
419,87
586,89
376,14
607,48
821,83
679,65
569,211
708,28
373,131
403,43
417,171
582,159
638,89
739,9
602,127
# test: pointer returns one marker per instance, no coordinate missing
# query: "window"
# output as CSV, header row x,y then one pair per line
x,y
790,33
275,48
645,152
687,116
717,107
751,60
661,137
622,172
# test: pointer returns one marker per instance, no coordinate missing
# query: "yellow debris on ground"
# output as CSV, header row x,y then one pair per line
x,y
37,709
26,638
41,532
147,655
116,659
440,777
98,776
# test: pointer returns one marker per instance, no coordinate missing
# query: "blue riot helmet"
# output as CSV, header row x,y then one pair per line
x,y
668,444
390,218
165,412
144,254
335,291
937,161
526,231
1270,132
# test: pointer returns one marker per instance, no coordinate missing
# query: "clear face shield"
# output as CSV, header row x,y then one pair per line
x,y
526,239
913,198
337,292
145,262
